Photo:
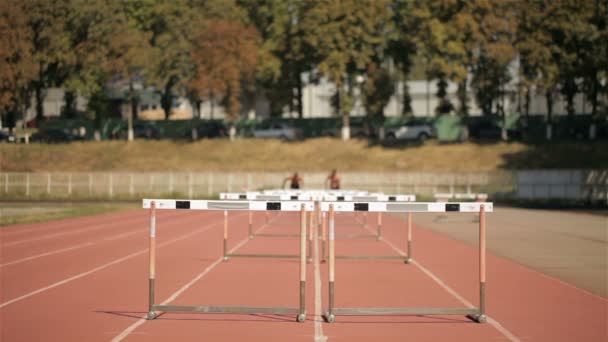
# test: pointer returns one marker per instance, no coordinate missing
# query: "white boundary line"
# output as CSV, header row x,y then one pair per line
x,y
99,268
174,296
455,294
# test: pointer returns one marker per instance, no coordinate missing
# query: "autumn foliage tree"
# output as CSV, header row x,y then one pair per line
x,y
17,67
225,57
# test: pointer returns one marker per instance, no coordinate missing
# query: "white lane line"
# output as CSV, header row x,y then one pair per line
x,y
63,223
67,249
99,268
88,229
57,251
455,294
319,337
129,330
71,248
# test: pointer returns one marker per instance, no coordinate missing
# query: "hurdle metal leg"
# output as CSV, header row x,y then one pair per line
x,y
152,262
225,235
324,237
379,227
310,229
250,224
329,315
408,258
302,313
480,317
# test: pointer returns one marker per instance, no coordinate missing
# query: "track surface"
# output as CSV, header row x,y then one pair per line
x,y
85,279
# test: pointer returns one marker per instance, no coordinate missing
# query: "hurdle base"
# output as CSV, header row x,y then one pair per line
x,y
151,315
357,236
274,256
276,235
406,311
229,309
329,317
369,257
477,317
301,317
408,260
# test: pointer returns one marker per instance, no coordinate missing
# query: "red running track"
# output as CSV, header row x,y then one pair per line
x,y
85,279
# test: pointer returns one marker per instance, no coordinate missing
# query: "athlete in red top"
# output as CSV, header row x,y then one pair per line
x,y
296,181
333,180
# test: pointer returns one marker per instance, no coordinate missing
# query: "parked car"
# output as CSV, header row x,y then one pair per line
x,y
6,137
140,130
278,130
489,129
54,135
420,131
210,130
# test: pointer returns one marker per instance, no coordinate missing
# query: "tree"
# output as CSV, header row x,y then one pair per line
x,y
284,54
345,35
225,58
17,66
46,20
377,90
128,55
402,46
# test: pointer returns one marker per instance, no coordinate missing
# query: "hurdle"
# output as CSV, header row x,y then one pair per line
x,y
476,314
446,197
225,206
319,195
254,196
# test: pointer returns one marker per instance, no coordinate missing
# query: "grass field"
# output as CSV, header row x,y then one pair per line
x,y
311,155
30,212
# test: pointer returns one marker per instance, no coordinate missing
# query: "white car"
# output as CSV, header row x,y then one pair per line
x,y
277,130
411,131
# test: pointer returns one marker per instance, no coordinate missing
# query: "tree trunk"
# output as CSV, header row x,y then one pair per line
x,y
549,100
527,105
69,111
345,115
132,112
463,108
212,105
166,99
39,97
407,100
594,91
299,94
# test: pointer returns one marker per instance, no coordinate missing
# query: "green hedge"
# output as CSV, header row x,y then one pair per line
x,y
448,127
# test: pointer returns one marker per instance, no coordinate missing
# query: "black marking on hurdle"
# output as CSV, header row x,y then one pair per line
x,y
340,198
182,204
294,197
392,198
273,206
361,206
452,207
242,196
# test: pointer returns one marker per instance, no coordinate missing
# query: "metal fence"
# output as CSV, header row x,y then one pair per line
x,y
559,184
205,184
